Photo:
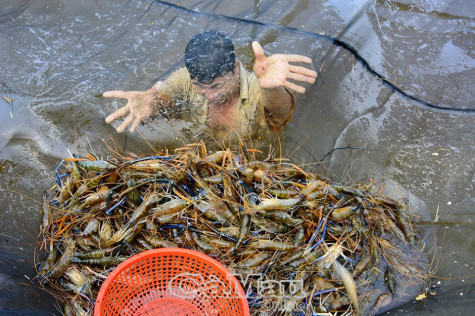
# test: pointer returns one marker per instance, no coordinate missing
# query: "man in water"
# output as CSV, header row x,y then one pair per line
x,y
215,92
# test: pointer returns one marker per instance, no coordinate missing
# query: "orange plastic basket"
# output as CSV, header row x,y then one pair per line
x,y
171,281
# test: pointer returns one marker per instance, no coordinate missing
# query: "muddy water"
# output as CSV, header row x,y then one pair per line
x,y
57,56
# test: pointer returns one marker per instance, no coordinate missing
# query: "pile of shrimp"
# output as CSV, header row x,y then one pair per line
x,y
299,244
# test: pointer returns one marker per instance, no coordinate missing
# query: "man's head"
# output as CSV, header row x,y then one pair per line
x,y
213,68
209,55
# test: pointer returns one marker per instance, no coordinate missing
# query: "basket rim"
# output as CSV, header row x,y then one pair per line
x,y
163,252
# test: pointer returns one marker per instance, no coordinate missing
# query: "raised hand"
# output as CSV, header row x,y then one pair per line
x,y
139,106
275,70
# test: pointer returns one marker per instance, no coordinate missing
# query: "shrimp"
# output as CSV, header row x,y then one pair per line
x,y
265,244
78,310
220,208
98,165
49,262
282,193
348,282
47,214
232,230
106,231
306,259
291,256
243,231
299,237
277,204
134,232
349,190
220,243
340,214
215,157
203,244
103,262
118,236
96,208
393,227
70,287
246,252
270,226
322,284
95,198
85,244
167,219
311,187
141,211
392,203
390,280
159,243
228,191
133,195
216,179
281,217
384,221
254,260
261,176
405,225
80,278
95,254
248,174
66,191
209,212
76,173
86,186
151,166
92,227
170,208
383,300
362,265
144,243
64,261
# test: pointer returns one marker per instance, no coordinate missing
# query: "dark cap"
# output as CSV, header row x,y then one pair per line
x,y
209,55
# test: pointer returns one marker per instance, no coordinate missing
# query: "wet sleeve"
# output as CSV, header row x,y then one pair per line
x,y
175,92
177,84
277,121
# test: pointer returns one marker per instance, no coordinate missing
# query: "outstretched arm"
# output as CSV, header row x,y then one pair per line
x,y
273,74
140,106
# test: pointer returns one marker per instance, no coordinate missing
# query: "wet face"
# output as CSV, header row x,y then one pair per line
x,y
221,89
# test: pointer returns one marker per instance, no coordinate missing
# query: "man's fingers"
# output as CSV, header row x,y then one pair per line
x,y
300,77
120,112
116,94
258,50
135,124
293,58
293,86
125,123
303,71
